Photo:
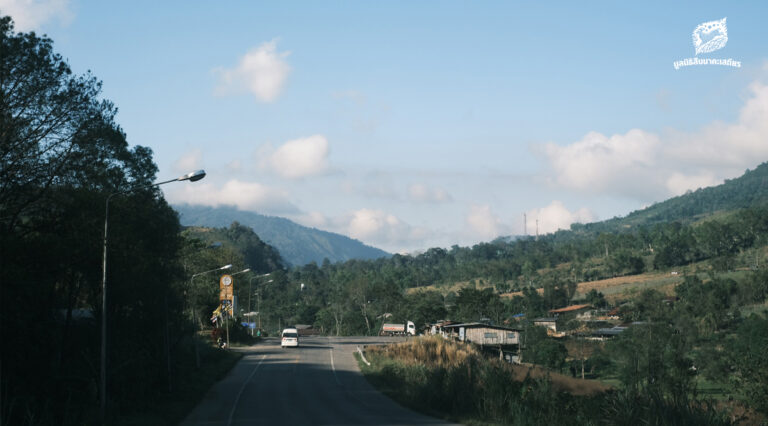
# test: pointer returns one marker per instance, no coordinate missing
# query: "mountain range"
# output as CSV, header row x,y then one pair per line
x,y
297,244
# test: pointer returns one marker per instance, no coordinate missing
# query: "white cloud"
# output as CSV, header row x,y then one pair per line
x,y
29,15
251,196
678,183
371,226
419,192
299,158
598,163
262,72
189,162
366,224
647,166
732,146
484,224
556,216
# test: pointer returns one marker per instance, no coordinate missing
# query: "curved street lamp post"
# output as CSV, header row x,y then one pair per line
x,y
192,177
250,291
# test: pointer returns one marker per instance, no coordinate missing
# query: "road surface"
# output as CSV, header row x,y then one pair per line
x,y
317,383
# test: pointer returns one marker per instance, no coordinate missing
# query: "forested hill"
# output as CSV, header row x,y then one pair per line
x,y
297,244
748,190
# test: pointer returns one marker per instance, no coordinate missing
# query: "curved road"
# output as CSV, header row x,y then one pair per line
x,y
317,383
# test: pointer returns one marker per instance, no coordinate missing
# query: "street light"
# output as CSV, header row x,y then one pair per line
x,y
259,303
192,177
241,272
250,291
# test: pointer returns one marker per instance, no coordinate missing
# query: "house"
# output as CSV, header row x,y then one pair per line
x,y
606,333
550,323
581,312
482,334
437,328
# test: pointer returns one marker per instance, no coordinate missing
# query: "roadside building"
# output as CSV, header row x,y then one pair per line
x,y
482,334
437,328
579,312
491,338
549,323
606,333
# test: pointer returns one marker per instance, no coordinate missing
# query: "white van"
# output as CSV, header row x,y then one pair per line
x,y
290,337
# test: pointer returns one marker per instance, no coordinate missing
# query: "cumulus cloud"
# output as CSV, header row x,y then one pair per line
x,y
600,164
647,166
484,224
556,216
189,161
30,15
299,158
371,226
678,183
251,196
262,72
369,223
421,193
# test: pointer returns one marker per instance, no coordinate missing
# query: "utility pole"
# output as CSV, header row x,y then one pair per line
x,y
525,225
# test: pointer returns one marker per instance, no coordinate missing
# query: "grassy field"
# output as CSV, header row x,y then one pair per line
x,y
614,289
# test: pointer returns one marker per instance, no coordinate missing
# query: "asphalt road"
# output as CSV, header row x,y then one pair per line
x,y
317,383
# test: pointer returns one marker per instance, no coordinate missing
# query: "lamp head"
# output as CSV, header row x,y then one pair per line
x,y
193,176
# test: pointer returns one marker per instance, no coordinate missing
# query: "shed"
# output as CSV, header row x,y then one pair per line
x,y
606,333
483,334
580,311
550,323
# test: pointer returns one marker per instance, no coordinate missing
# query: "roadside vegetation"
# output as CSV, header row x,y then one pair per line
x,y
457,382
62,155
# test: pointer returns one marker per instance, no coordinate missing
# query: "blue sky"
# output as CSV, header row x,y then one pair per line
x,y
409,125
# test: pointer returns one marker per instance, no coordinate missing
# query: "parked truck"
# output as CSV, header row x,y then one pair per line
x,y
398,329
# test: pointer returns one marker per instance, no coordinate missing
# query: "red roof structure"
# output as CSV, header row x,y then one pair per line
x,y
571,308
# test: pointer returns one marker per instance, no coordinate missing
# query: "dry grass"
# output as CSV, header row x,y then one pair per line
x,y
431,351
436,352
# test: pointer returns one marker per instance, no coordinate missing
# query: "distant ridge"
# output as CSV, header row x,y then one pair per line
x,y
298,245
747,190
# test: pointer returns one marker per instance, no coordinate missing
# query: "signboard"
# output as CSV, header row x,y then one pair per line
x,y
226,294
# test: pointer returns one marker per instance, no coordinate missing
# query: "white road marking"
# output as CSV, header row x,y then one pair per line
x,y
333,367
242,388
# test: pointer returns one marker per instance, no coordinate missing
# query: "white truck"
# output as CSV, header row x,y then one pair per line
x,y
398,329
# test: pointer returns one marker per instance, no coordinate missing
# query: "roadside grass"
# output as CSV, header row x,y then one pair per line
x,y
456,382
189,388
